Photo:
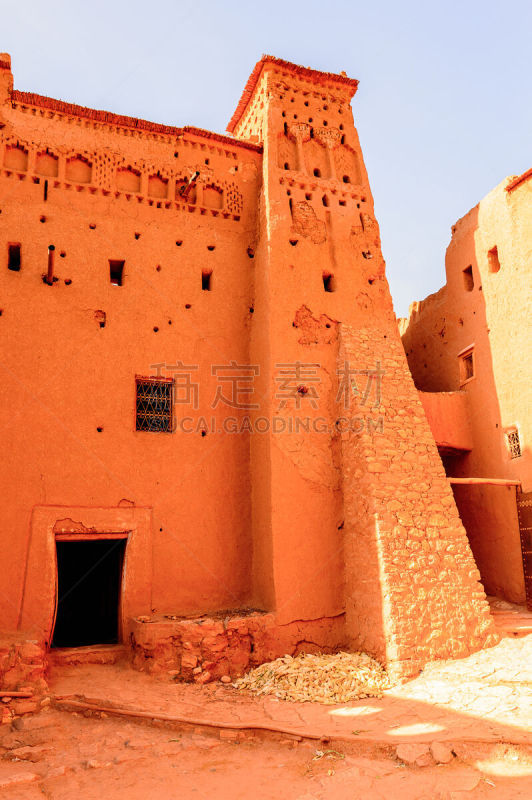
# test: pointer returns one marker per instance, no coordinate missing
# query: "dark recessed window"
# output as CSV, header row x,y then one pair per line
x,y
328,283
469,283
317,173
206,281
13,257
116,272
154,405
493,260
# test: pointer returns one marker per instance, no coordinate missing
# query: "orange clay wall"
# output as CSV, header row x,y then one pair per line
x,y
372,496
487,311
337,501
100,190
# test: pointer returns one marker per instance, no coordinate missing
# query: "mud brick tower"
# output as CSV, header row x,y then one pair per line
x,y
137,255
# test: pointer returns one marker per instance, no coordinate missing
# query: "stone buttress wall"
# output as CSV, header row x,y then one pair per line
x,y
412,588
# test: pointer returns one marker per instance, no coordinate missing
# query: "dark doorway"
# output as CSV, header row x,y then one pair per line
x,y
89,580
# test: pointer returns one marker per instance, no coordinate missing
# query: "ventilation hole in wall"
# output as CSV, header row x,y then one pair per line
x,y
317,173
179,242
327,324
346,179
306,102
329,284
187,305
291,99
493,260
1,311
469,282
308,196
45,193
325,123
283,114
251,310
155,329
99,429
206,281
362,199
206,160
341,124
251,252
342,138
367,254
92,226
116,272
137,236
293,242
14,259
236,169
158,268
211,247
325,201
42,218
176,155
285,127
169,321
204,433
311,119
325,107
341,202
100,317
286,165
68,281
371,281
288,192
290,206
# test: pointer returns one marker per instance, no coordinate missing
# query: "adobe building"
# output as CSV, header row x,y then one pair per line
x,y
215,451
469,348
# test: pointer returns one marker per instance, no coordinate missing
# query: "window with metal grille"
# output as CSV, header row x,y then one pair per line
x,y
154,411
513,443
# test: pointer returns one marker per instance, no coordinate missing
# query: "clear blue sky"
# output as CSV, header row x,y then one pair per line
x,y
444,107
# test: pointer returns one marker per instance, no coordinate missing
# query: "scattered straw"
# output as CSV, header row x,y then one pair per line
x,y
336,678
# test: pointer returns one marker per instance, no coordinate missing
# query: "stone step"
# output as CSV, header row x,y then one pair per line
x,y
93,654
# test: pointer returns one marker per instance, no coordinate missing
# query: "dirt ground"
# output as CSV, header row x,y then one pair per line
x,y
63,755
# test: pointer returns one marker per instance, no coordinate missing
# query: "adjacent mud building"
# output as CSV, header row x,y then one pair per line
x,y
214,450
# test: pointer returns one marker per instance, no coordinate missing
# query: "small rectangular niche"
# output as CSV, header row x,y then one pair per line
x,y
14,257
206,281
494,264
469,283
116,272
513,442
467,365
329,283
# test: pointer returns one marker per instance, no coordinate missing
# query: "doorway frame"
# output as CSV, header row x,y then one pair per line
x,y
90,537
78,523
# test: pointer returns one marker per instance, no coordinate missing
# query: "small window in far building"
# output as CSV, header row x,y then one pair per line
x,y
13,257
467,366
513,442
154,405
116,272
493,260
469,283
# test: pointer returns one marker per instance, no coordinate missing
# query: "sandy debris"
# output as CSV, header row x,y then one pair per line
x,y
336,678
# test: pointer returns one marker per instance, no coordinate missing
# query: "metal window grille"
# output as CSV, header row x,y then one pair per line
x,y
154,405
514,445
